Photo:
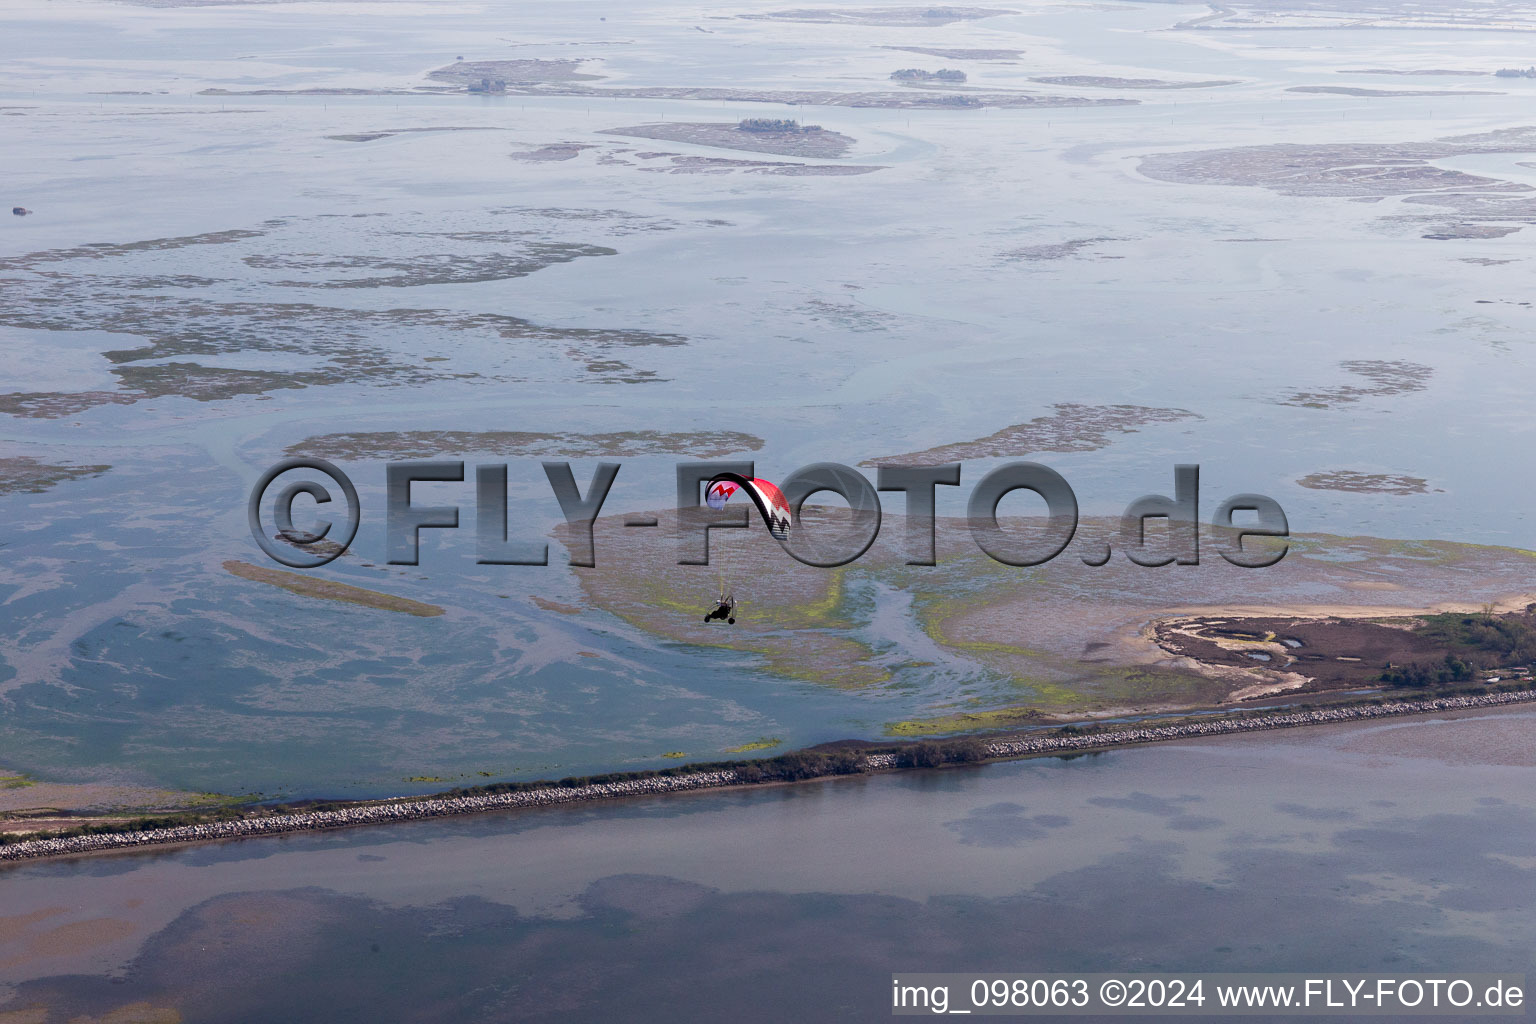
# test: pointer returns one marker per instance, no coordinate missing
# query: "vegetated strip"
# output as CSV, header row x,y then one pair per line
x,y
800,765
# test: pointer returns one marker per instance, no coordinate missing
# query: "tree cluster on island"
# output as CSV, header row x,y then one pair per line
x,y
1475,643
919,75
776,124
1516,72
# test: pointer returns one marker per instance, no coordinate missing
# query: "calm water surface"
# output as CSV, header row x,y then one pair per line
x,y
1397,846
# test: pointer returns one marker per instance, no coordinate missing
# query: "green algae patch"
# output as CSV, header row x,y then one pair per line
x,y
1052,694
761,743
1072,637
972,721
791,619
330,590
205,801
825,610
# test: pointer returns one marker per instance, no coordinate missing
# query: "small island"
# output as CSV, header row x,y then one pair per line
x,y
888,17
1319,654
1112,82
778,135
960,54
21,474
494,75
919,75
776,126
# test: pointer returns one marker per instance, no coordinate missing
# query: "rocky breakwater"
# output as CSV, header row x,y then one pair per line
x,y
366,814
411,810
1221,726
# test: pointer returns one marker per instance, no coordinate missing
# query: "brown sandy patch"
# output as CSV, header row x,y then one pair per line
x,y
49,823
330,590
1109,82
1088,630
18,793
959,54
722,165
896,17
1365,483
556,606
1071,428
1054,250
386,133
803,140
1069,637
1351,90
908,100
1381,378
554,152
33,1015
1344,169
1369,172
1414,71
133,1013
1453,232
80,936
1508,602
470,72
423,444
1322,653
1332,651
12,928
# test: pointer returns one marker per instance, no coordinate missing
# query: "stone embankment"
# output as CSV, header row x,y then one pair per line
x,y
1219,726
411,810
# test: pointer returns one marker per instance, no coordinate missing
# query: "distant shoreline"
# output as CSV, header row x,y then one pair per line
x,y
375,813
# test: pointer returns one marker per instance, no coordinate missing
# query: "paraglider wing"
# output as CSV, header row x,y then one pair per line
x,y
720,491
764,494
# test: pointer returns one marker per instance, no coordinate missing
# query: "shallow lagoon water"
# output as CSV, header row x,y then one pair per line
x,y
836,318
1391,847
